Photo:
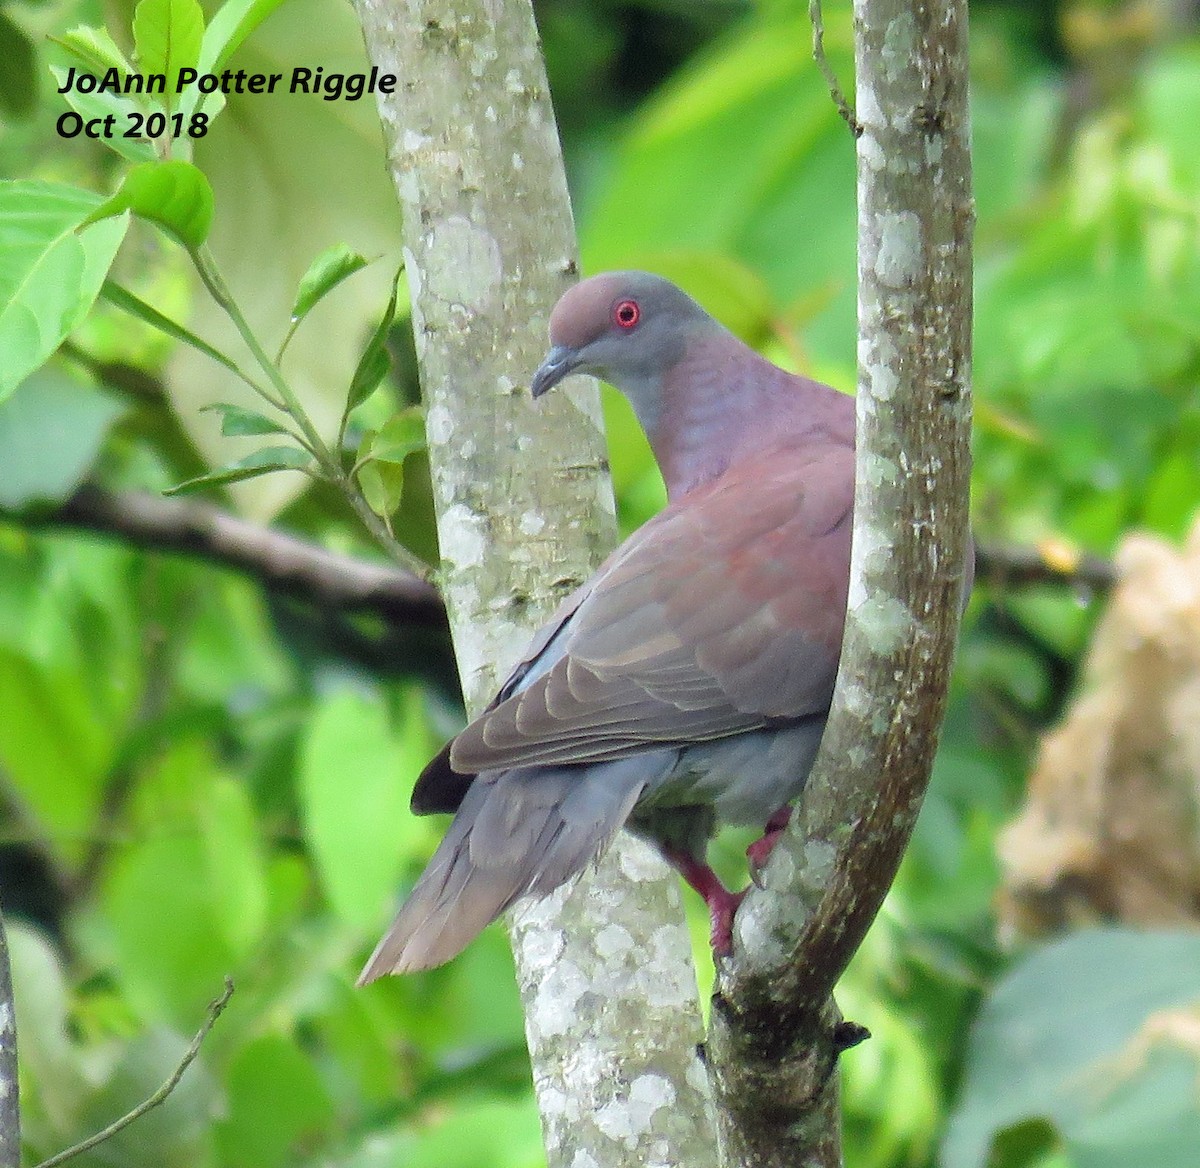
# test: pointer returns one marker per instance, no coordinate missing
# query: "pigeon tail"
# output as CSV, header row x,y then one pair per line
x,y
517,833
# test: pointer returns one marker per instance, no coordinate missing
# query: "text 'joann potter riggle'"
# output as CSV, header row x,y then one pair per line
x,y
330,86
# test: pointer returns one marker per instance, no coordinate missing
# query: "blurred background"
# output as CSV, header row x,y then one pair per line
x,y
201,775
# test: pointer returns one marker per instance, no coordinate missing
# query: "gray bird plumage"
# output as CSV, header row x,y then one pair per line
x,y
686,684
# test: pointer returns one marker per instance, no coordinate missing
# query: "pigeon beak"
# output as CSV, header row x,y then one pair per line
x,y
559,362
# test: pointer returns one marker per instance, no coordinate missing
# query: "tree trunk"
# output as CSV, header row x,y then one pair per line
x,y
524,514
776,1035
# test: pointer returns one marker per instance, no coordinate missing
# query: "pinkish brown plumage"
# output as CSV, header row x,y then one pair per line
x,y
687,683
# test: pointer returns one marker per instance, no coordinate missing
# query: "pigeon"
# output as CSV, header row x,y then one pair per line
x,y
687,683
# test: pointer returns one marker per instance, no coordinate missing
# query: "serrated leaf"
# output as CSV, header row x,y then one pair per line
x,y
259,463
174,195
237,422
125,300
100,105
167,35
403,435
95,48
373,365
324,274
50,271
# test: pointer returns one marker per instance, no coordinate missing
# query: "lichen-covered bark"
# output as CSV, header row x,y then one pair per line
x,y
775,1035
10,1108
525,511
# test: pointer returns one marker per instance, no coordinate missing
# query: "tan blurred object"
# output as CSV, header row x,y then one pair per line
x,y
1111,829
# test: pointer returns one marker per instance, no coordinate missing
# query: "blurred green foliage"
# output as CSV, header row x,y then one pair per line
x,y
200,779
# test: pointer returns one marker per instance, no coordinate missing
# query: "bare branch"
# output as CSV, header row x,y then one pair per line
x,y
215,1008
282,562
776,1035
818,50
10,1097
1014,566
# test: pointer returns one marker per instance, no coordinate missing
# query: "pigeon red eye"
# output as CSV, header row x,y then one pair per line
x,y
626,314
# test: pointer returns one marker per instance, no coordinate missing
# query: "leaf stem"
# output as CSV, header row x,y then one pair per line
x,y
286,400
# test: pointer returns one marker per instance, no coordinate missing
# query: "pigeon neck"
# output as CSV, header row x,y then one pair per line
x,y
719,403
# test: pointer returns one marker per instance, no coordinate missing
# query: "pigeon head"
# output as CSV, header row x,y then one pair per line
x,y
628,328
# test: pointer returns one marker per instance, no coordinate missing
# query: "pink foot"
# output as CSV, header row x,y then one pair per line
x,y
760,851
722,904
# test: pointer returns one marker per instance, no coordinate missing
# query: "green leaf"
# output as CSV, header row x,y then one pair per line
x,y
18,79
100,105
403,435
237,422
382,486
164,937
278,1105
51,431
325,273
95,48
381,460
50,273
259,463
174,195
236,871
1079,1034
167,35
359,842
231,24
124,299
373,365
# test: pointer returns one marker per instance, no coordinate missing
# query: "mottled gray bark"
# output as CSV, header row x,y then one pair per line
x,y
10,1099
525,511
775,1035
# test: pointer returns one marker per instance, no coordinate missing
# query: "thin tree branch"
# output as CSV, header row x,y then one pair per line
x,y
818,51
282,562
775,1035
10,1098
214,1012
1015,566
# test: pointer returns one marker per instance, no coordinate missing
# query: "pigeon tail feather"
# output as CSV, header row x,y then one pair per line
x,y
516,832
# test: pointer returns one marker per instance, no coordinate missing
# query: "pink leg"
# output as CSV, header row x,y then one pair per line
x,y
759,852
722,903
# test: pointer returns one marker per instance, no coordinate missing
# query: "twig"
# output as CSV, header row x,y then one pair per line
x,y
280,561
835,90
1011,565
214,1012
10,1105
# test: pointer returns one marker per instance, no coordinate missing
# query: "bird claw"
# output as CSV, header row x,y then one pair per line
x,y
722,907
759,852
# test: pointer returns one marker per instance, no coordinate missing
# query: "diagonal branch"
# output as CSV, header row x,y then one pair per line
x,y
215,1009
776,1035
282,562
